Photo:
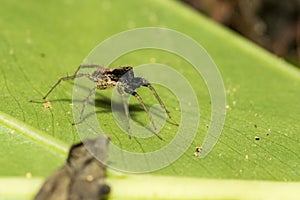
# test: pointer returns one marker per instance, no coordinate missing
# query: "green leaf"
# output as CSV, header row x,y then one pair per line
x,y
25,150
43,41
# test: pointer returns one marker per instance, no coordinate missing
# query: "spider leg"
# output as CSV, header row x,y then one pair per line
x,y
121,92
65,79
86,66
160,101
139,98
92,91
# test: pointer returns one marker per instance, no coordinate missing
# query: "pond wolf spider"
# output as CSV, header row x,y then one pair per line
x,y
123,78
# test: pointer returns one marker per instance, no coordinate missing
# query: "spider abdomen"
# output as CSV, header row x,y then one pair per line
x,y
105,83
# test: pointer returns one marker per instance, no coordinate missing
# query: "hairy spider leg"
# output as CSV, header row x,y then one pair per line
x,y
92,92
130,83
121,92
65,79
160,101
139,98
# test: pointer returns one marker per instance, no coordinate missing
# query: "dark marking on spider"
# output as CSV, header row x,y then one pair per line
x,y
123,78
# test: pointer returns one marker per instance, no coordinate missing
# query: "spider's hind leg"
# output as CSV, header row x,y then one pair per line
x,y
86,66
65,79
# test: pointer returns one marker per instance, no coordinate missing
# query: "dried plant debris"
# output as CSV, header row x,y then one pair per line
x,y
198,150
47,105
83,175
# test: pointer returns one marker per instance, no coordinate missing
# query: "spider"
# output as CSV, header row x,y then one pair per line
x,y
123,78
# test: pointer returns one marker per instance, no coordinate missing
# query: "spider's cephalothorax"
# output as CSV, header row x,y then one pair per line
x,y
122,77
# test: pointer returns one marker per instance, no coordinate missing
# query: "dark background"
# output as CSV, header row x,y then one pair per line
x,y
274,25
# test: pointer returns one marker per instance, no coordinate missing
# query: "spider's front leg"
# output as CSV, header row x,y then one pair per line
x,y
128,89
137,82
139,98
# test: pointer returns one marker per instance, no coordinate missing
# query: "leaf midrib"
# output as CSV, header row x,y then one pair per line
x,y
34,134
